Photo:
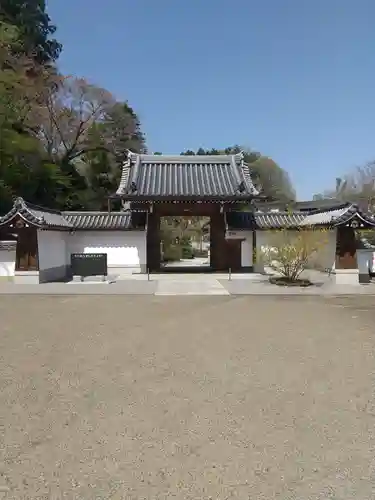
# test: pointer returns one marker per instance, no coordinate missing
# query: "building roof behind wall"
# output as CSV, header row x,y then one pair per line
x,y
154,177
345,215
8,245
299,206
35,216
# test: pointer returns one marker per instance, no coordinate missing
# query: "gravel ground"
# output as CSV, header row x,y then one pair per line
x,y
145,397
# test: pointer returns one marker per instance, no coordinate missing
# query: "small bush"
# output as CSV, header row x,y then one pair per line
x,y
290,251
187,252
200,253
172,253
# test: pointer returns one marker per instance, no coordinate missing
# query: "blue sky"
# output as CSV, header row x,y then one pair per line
x,y
293,79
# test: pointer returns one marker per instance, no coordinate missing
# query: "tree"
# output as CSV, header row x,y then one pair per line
x,y
272,180
69,107
62,140
34,27
23,168
356,187
108,141
289,252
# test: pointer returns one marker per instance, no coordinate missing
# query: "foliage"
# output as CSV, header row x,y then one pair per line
x,y
357,186
23,169
172,253
62,140
290,251
34,27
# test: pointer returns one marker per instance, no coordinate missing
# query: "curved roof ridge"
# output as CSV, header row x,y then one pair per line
x,y
149,177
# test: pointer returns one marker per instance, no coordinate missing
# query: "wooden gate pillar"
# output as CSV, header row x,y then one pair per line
x,y
218,246
153,242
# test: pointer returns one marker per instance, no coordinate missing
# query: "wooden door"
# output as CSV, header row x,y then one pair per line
x,y
234,254
346,249
27,250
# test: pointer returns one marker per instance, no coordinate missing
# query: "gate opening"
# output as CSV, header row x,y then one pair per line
x,y
185,244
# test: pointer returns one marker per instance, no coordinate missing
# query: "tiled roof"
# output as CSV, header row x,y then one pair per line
x,y
299,206
278,220
99,220
196,177
328,216
35,216
8,245
364,244
53,219
341,216
240,220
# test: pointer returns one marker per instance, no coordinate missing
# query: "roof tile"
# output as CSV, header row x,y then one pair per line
x,y
99,220
186,176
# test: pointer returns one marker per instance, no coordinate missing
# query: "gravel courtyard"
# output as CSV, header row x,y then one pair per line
x,y
143,397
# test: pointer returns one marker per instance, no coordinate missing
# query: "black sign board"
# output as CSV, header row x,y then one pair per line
x,y
89,264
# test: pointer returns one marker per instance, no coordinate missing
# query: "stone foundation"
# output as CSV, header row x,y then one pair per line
x,y
26,278
54,274
120,270
346,276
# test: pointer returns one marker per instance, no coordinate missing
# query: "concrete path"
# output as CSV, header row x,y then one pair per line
x,y
195,262
186,284
120,288
191,287
243,287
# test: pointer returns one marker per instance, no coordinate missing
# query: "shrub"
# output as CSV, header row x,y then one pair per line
x,y
290,251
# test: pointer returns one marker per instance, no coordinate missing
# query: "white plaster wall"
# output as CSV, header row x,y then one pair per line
x,y
124,249
247,249
323,259
7,262
263,239
365,260
52,249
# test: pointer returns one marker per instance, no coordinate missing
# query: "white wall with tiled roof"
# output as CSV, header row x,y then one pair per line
x,y
7,262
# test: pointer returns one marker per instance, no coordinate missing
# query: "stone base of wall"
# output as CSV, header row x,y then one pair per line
x,y
246,269
364,278
346,276
26,278
54,274
121,270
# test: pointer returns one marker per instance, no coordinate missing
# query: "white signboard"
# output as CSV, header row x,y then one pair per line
x,y
233,235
